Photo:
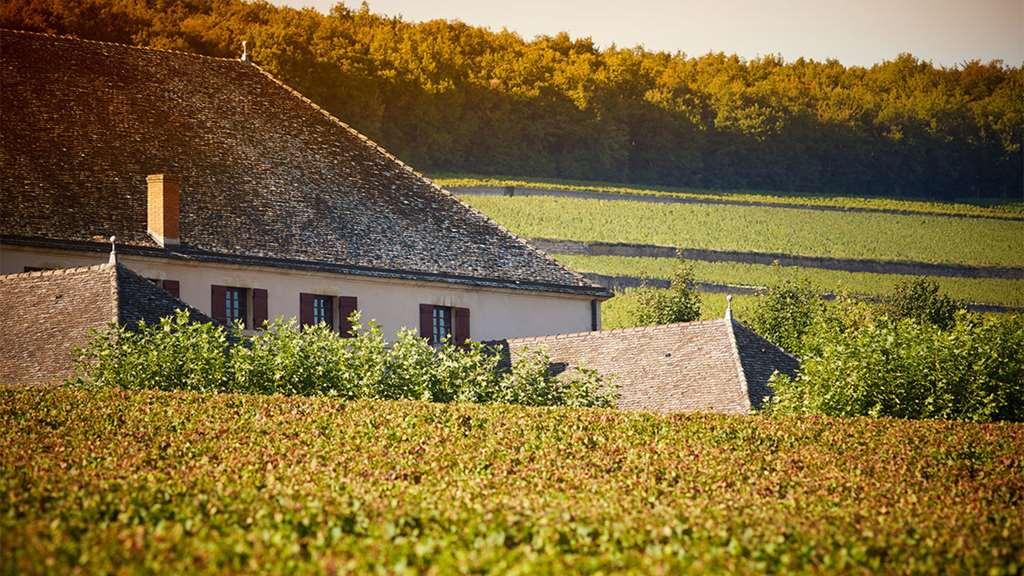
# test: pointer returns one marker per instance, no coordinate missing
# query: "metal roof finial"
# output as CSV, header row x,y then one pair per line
x,y
728,306
245,52
113,251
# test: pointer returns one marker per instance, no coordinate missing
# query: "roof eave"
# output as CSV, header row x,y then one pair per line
x,y
184,253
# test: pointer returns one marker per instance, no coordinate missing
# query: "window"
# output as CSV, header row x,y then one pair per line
x,y
172,287
322,310
234,306
228,303
316,309
441,324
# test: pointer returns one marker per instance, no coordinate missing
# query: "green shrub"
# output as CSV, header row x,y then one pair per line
x,y
174,354
531,382
282,359
910,369
314,361
920,299
679,303
785,312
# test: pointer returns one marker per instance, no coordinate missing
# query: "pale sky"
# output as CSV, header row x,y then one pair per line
x,y
861,32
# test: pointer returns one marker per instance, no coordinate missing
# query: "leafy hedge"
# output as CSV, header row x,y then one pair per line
x,y
177,354
104,480
918,354
972,371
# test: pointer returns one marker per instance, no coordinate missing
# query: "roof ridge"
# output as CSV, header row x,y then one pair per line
x,y
436,188
118,44
614,331
115,291
735,347
56,271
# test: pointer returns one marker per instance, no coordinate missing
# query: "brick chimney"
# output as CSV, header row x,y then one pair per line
x,y
163,208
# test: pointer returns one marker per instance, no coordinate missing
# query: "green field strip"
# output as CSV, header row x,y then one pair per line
x,y
869,236
978,290
987,208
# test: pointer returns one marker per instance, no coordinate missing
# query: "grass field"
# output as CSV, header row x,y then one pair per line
x,y
934,239
114,481
980,290
990,207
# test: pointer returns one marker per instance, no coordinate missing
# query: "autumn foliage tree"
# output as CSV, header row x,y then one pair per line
x,y
447,96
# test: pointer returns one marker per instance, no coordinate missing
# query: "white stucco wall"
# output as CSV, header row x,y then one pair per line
x,y
494,314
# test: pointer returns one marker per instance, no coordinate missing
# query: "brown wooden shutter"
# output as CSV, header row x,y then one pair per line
x,y
259,307
217,310
460,325
346,306
427,322
306,309
172,287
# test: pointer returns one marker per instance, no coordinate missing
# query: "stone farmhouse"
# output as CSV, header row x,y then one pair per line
x,y
247,201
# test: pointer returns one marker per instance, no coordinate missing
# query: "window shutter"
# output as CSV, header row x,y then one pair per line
x,y
172,287
259,307
217,310
426,322
460,326
305,309
346,306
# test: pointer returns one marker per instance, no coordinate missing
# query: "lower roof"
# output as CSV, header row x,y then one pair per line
x,y
46,315
714,365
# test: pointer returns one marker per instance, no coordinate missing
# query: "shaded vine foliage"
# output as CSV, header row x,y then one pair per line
x,y
446,96
178,354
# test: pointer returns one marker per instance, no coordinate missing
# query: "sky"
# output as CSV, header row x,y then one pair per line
x,y
856,32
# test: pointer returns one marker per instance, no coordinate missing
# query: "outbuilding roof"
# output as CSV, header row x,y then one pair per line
x,y
45,315
267,176
712,365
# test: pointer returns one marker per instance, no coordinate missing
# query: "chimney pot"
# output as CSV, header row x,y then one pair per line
x,y
164,208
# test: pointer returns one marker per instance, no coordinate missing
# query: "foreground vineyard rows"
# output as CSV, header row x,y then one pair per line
x,y
186,482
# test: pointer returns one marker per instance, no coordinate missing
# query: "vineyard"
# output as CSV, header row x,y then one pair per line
x,y
965,208
979,290
111,480
934,239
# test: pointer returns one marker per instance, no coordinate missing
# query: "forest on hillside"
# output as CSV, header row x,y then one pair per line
x,y
449,97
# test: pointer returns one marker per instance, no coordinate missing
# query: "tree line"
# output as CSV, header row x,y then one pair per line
x,y
449,97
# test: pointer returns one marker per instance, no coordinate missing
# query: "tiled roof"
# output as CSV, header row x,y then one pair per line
x,y
715,365
45,315
265,173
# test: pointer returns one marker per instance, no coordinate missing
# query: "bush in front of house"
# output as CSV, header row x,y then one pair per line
x,y
178,354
